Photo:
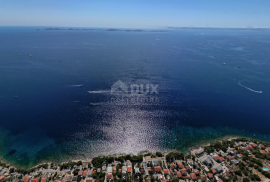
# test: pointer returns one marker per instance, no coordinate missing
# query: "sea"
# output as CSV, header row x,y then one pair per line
x,y
77,93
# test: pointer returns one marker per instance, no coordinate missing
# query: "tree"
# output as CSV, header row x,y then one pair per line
x,y
246,180
11,170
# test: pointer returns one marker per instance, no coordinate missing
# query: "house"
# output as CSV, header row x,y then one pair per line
x,y
193,176
171,171
84,173
69,179
166,171
210,175
253,145
44,179
80,173
142,171
103,168
184,172
109,177
110,169
137,170
114,169
203,177
199,152
188,168
213,170
149,168
230,157
261,146
217,158
98,170
244,163
124,169
179,175
208,160
218,168
180,165
219,180
157,169
262,151
35,180
196,171
187,177
228,174
174,166
235,161
239,156
26,178
268,149
89,180
129,169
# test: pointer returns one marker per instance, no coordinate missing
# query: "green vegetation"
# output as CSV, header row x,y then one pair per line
x,y
159,154
174,155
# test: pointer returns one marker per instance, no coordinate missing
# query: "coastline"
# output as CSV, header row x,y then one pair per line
x,y
189,150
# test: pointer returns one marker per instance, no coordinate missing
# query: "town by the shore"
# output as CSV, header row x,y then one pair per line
x,y
226,159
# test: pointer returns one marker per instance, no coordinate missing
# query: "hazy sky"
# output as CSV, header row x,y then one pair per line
x,y
135,13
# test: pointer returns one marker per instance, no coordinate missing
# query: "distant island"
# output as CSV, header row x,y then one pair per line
x,y
233,159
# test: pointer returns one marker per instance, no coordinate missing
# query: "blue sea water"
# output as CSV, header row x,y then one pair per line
x,y
198,98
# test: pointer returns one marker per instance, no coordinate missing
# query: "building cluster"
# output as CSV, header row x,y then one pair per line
x,y
200,165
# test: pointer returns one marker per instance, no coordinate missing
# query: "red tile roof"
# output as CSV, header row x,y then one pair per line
x,y
149,168
228,174
157,168
109,176
142,170
203,177
166,171
171,171
210,175
43,179
80,172
196,171
26,178
120,170
244,163
174,166
193,176
187,167
35,180
68,179
180,165
179,175
94,172
263,152
213,170
187,177
89,180
129,169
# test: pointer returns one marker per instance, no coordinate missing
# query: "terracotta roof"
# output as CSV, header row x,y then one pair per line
x,y
114,167
180,165
179,175
171,171
218,158
187,177
26,178
213,170
94,172
230,157
120,170
203,177
84,173
196,171
228,174
35,180
193,176
43,179
244,163
110,176
210,175
263,152
187,167
149,168
80,172
166,171
129,170
68,179
157,168
174,166
142,170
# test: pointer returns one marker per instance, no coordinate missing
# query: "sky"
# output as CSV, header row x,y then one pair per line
x,y
136,13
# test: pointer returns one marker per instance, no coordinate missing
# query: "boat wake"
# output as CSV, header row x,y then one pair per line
x,y
239,83
99,92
